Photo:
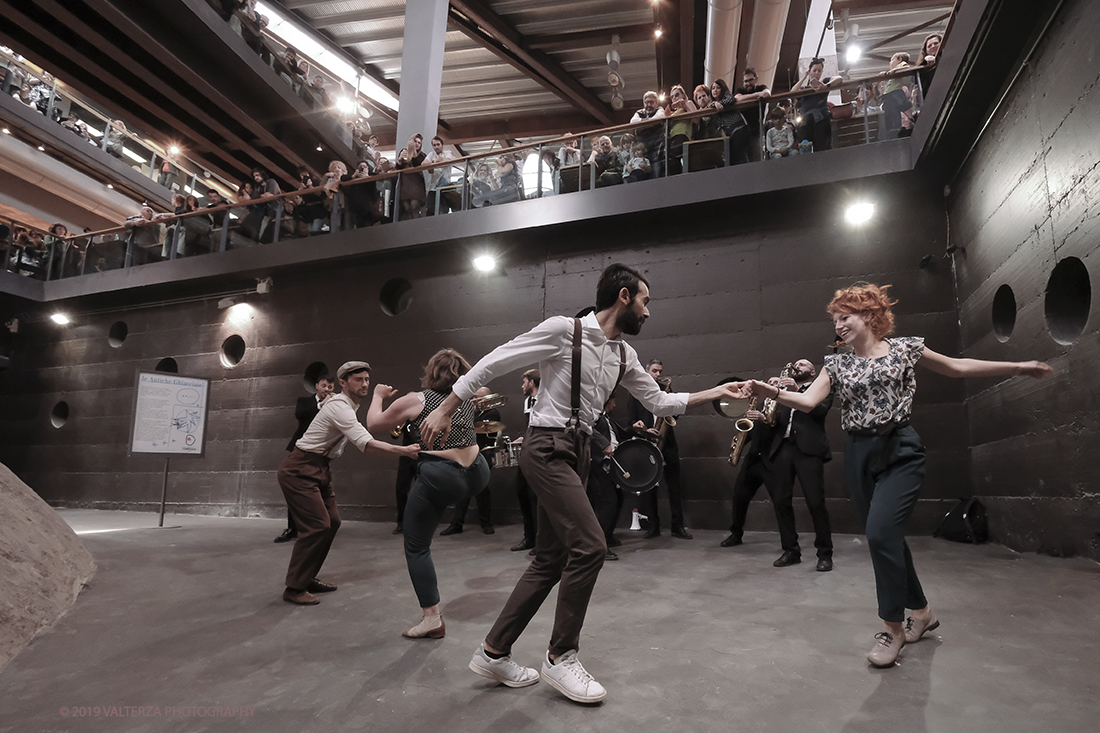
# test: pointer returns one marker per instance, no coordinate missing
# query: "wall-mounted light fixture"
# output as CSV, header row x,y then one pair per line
x,y
60,319
485,263
859,213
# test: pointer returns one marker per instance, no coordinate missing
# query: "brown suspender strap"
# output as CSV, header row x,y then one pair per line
x,y
575,388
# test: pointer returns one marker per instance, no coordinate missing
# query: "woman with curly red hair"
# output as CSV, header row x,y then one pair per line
x,y
884,456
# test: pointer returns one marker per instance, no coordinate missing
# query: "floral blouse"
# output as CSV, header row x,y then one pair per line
x,y
874,392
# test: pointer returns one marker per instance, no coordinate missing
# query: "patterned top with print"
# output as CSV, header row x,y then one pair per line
x,y
878,391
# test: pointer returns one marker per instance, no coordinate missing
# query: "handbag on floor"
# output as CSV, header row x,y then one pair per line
x,y
966,522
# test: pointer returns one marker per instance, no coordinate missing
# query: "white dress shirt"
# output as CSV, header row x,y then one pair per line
x,y
334,426
550,344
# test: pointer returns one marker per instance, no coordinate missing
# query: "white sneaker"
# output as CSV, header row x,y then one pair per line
x,y
569,677
502,670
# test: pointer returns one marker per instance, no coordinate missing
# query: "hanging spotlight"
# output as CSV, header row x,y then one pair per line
x,y
60,319
344,105
7,131
657,32
319,148
852,53
173,149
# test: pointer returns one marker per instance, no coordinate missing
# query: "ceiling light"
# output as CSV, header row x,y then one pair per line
x,y
42,148
174,150
110,185
852,54
59,318
319,148
485,263
657,32
345,105
7,131
661,97
859,213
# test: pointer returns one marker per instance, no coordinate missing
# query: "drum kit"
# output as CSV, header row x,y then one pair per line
x,y
636,464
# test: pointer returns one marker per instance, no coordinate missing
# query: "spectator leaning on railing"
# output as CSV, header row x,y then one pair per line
x,y
652,136
817,124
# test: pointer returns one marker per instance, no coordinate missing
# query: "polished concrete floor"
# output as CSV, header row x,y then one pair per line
x,y
686,636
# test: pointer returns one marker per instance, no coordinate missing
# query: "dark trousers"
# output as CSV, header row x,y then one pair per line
x,y
790,463
606,498
439,483
884,474
528,507
675,505
306,482
406,470
754,474
484,509
569,548
817,127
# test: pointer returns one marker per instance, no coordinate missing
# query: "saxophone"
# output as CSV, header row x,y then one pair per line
x,y
770,404
743,426
662,424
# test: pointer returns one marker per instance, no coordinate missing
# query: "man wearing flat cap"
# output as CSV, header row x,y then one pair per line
x,y
306,480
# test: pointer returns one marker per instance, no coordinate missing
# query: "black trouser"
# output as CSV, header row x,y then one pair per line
x,y
810,470
406,470
605,496
528,506
484,510
884,475
756,472
675,505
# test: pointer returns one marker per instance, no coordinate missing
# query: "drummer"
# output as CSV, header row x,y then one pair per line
x,y
445,473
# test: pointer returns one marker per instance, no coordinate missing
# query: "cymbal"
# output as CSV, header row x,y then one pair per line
x,y
484,427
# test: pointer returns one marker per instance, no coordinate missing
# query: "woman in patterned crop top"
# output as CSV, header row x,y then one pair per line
x,y
445,474
884,456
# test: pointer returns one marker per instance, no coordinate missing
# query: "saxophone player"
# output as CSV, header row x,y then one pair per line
x,y
781,449
642,419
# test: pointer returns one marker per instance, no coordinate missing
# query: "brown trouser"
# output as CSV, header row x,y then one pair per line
x,y
570,546
306,482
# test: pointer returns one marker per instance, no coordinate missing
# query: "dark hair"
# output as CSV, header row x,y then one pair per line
x,y
722,85
534,375
437,137
213,190
612,280
749,70
815,61
778,114
323,377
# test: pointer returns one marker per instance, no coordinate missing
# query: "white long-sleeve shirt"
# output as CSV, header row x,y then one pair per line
x,y
334,426
550,345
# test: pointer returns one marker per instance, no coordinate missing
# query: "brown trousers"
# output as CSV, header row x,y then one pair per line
x,y
570,546
306,482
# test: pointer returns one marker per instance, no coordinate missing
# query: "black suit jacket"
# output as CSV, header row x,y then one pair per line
x,y
305,411
636,411
601,435
807,429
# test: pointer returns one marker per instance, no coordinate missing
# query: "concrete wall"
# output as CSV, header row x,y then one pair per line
x,y
1025,202
739,288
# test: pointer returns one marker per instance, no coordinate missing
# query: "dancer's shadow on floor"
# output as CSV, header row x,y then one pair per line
x,y
899,701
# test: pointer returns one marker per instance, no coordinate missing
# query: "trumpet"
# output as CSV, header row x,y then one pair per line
x,y
396,432
743,427
662,424
488,402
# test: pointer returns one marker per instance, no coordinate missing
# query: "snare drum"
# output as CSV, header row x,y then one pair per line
x,y
636,465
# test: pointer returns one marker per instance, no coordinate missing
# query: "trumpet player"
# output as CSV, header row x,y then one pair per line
x,y
800,450
643,420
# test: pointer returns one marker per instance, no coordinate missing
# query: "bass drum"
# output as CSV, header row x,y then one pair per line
x,y
637,465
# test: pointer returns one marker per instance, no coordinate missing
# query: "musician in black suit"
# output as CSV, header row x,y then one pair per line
x,y
606,496
642,419
304,411
800,448
774,456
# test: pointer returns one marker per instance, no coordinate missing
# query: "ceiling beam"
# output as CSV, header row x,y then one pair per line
x,y
520,127
909,31
359,16
888,6
481,20
587,39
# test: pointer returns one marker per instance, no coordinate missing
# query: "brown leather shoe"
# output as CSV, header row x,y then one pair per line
x,y
319,586
300,597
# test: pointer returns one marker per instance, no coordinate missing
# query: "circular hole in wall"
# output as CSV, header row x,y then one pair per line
x,y
1004,313
396,296
1068,299
167,364
117,334
313,372
232,351
59,415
